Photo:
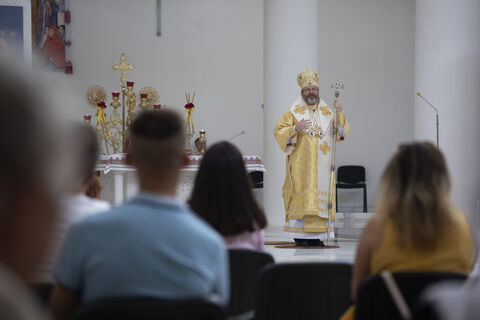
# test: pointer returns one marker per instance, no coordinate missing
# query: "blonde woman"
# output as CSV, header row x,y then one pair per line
x,y
416,228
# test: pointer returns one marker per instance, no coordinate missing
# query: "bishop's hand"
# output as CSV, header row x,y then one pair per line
x,y
303,125
337,105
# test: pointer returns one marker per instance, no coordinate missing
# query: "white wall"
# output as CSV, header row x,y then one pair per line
x,y
282,62
216,48
369,45
447,72
213,47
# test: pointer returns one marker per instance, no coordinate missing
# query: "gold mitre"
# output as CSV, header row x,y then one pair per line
x,y
307,77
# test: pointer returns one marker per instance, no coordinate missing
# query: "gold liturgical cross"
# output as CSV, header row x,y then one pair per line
x,y
123,67
325,148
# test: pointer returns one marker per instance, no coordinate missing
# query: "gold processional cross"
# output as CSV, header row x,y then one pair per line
x,y
123,67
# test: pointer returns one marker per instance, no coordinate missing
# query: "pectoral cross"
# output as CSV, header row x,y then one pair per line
x,y
325,148
123,67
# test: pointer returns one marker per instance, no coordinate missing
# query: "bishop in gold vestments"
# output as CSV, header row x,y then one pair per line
x,y
305,134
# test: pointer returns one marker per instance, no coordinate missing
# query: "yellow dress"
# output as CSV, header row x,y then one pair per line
x,y
455,253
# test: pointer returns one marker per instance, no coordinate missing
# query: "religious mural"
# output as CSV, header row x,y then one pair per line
x,y
49,20
11,29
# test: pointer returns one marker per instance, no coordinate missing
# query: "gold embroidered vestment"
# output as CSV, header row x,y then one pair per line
x,y
309,157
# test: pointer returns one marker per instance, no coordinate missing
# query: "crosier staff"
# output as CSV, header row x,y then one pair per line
x,y
337,85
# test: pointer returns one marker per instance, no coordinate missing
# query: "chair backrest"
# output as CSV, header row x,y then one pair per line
x,y
374,301
245,267
351,174
149,309
303,291
256,177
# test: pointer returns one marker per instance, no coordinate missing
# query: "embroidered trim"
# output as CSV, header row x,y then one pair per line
x,y
300,109
325,110
307,230
325,148
340,119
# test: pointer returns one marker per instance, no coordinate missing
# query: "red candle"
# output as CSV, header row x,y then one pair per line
x,y
130,83
87,117
157,106
143,95
115,94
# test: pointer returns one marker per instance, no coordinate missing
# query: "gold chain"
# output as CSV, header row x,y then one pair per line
x,y
316,126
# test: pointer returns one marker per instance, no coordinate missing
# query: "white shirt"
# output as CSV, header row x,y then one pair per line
x,y
72,208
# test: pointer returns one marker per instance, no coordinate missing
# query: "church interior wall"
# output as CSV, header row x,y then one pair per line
x,y
212,47
369,45
215,48
447,58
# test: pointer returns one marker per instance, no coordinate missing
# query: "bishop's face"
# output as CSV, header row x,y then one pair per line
x,y
310,95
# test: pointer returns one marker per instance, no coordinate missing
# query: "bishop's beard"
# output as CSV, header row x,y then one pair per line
x,y
311,99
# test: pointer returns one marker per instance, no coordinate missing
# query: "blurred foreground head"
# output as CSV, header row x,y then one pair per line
x,y
415,193
88,147
28,181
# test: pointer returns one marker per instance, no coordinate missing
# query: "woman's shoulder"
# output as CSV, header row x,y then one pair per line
x,y
459,216
373,233
376,223
246,240
459,219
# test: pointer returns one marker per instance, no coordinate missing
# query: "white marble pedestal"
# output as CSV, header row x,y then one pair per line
x,y
119,180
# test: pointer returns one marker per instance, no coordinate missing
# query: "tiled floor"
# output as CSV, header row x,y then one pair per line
x,y
346,252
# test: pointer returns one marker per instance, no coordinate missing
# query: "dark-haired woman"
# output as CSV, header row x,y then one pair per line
x,y
222,195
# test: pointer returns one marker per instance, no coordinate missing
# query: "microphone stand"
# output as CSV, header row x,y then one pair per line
x,y
437,117
238,134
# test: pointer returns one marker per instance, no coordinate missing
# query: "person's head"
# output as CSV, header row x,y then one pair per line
x,y
52,31
308,82
86,140
222,193
415,189
198,145
94,188
27,190
157,148
61,30
310,95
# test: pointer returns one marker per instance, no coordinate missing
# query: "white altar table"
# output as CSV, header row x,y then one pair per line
x,y
119,180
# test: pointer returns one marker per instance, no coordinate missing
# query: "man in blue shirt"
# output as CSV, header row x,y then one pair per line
x,y
151,246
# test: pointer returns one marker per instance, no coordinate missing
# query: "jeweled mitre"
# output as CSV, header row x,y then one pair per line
x,y
307,77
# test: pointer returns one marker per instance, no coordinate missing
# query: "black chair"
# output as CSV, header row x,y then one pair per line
x,y
245,266
256,177
149,309
303,291
351,177
374,301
